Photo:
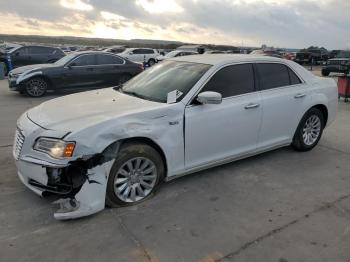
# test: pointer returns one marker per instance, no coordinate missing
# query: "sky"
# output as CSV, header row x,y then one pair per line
x,y
279,23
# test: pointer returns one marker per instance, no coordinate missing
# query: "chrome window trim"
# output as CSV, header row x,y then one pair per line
x,y
81,55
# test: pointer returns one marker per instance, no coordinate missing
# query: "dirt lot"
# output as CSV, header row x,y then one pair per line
x,y
279,206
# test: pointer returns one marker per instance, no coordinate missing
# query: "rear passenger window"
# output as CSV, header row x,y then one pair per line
x,y
109,60
273,76
294,79
232,81
84,60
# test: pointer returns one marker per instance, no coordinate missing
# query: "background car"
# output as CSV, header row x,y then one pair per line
x,y
272,53
175,53
317,55
79,70
29,55
141,55
339,64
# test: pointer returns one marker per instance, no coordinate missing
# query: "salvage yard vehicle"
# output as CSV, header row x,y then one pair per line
x,y
339,64
141,55
80,70
115,146
175,53
28,55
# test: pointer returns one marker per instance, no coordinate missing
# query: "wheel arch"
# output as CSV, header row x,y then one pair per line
x,y
324,111
139,139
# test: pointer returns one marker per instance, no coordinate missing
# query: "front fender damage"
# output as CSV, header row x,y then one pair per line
x,y
82,184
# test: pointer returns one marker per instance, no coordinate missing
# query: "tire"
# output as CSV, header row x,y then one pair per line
x,y
325,73
124,78
36,87
309,131
151,62
121,194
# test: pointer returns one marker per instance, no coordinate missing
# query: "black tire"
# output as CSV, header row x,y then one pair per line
x,y
325,72
128,152
299,143
36,87
124,78
151,62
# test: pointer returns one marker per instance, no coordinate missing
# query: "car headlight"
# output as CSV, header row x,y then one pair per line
x,y
54,147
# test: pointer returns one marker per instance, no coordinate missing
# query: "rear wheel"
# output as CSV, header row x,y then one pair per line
x,y
135,175
36,87
123,78
309,131
151,62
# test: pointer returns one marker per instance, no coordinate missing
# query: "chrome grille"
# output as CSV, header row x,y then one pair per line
x,y
18,143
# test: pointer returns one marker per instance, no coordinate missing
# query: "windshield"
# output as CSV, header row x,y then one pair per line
x,y
64,60
172,54
343,54
155,83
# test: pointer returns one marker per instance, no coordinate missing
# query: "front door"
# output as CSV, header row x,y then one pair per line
x,y
227,130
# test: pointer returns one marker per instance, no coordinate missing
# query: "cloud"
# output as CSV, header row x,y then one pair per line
x,y
283,23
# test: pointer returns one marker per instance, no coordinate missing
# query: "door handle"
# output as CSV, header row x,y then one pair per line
x,y
299,95
251,106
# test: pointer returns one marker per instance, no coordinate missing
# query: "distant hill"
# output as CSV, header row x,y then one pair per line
x,y
71,40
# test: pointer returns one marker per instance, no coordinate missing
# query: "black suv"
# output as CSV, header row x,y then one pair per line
x,y
339,64
28,55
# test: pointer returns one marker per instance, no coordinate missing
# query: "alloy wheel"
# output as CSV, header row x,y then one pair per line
x,y
311,130
135,179
36,87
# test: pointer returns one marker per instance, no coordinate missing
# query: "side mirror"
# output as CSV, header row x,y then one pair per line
x,y
209,97
131,53
17,54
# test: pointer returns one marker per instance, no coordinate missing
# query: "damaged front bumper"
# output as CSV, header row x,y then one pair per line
x,y
81,182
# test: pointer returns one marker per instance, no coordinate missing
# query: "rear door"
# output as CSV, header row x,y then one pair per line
x,y
284,98
109,69
230,129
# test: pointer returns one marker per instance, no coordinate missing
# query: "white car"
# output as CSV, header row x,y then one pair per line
x,y
140,55
116,146
175,53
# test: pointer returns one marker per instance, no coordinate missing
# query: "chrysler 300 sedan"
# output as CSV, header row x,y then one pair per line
x,y
115,146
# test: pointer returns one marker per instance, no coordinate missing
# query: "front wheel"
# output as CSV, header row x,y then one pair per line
x,y
309,131
135,175
151,62
36,87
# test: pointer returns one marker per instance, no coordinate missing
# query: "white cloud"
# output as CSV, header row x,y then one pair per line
x,y
160,6
76,5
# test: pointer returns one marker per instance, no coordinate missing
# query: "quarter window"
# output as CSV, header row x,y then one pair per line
x,y
294,79
232,81
273,76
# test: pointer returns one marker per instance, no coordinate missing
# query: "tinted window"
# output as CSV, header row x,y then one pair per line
x,y
108,60
22,51
84,60
273,75
138,51
36,50
148,51
294,79
232,81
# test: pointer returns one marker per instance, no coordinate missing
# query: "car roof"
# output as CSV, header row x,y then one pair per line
x,y
218,59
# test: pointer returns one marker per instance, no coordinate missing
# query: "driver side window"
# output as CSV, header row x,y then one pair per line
x,y
232,81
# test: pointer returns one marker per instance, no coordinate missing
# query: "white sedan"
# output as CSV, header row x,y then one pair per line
x,y
115,146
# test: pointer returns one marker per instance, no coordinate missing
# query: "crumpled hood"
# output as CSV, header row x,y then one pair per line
x,y
23,69
78,111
